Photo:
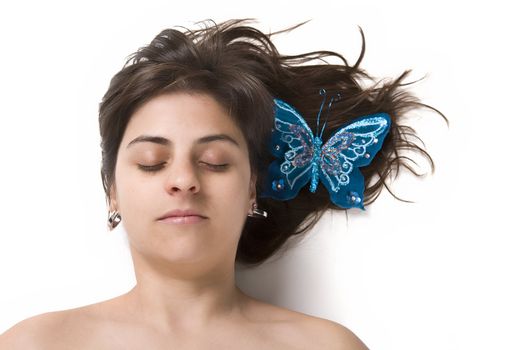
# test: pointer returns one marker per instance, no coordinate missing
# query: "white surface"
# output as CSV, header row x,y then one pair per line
x,y
444,273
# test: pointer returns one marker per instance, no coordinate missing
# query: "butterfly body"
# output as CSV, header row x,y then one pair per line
x,y
316,164
302,157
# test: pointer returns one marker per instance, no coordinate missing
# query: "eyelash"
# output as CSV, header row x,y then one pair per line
x,y
158,167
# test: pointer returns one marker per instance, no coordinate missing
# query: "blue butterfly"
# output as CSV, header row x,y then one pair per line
x,y
302,157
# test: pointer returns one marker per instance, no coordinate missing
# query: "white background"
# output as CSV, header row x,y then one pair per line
x,y
444,273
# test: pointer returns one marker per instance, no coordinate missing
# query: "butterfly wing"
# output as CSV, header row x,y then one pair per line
x,y
292,145
351,147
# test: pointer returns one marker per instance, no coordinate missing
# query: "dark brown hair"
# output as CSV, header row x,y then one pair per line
x,y
242,69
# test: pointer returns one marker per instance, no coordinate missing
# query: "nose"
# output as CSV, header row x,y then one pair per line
x,y
183,178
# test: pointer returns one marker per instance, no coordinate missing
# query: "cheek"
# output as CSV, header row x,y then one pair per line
x,y
231,196
132,192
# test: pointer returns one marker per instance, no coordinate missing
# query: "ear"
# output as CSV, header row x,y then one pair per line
x,y
113,205
253,188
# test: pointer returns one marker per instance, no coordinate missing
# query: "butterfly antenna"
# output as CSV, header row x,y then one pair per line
x,y
336,98
322,92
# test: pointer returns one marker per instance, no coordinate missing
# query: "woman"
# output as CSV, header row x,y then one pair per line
x,y
185,132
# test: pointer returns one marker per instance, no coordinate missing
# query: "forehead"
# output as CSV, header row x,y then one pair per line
x,y
182,118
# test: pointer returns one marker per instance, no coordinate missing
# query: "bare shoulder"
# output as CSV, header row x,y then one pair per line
x,y
332,335
31,333
50,330
310,332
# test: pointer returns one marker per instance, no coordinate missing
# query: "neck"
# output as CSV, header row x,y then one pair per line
x,y
185,296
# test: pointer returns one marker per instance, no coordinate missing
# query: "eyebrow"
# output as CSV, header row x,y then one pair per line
x,y
166,142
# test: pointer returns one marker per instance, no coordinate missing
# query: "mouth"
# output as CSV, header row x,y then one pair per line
x,y
187,219
182,216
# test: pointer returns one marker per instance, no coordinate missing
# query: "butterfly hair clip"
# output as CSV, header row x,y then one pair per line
x,y
302,157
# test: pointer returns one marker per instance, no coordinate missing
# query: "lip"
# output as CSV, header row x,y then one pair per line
x,y
182,216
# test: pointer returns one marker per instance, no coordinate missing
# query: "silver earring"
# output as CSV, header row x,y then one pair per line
x,y
257,213
114,219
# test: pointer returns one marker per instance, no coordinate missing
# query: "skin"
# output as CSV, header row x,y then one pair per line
x,y
185,296
185,273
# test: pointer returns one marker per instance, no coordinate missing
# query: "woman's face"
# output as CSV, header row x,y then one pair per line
x,y
183,151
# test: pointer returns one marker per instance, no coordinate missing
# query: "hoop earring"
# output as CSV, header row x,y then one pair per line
x,y
114,219
257,213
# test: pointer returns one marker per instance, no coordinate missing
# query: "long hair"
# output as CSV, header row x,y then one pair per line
x,y
242,69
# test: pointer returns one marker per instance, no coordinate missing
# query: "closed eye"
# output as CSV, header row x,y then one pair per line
x,y
158,167
216,166
151,168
